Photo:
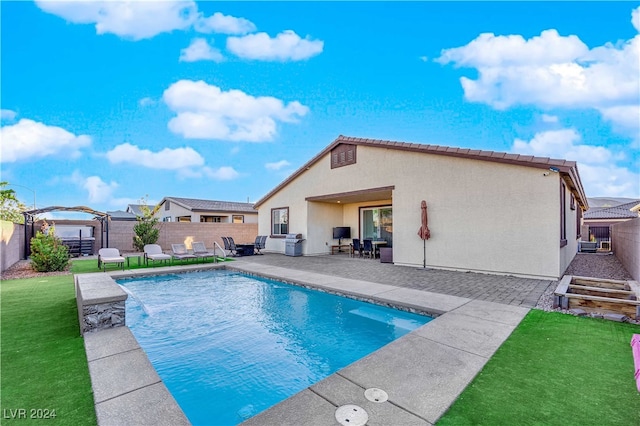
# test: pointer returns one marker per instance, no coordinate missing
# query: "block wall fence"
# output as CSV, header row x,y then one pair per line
x,y
121,235
625,242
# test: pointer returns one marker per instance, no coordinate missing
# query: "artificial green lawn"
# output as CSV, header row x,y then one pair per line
x,y
83,266
44,366
555,369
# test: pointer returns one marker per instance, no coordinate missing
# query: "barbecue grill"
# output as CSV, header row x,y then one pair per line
x,y
293,245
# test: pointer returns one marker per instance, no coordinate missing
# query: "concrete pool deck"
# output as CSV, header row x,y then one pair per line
x,y
423,372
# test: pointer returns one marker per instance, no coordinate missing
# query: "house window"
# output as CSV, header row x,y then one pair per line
x,y
211,219
167,205
166,219
343,155
237,218
578,222
280,221
563,215
376,223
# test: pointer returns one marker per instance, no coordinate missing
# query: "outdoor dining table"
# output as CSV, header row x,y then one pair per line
x,y
245,249
376,245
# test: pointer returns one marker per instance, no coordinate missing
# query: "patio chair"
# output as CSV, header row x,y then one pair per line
x,y
233,250
154,252
260,243
227,246
200,251
179,251
367,248
109,255
356,247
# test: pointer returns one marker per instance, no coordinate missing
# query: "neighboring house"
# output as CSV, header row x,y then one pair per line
x,y
488,211
600,220
122,215
175,209
135,209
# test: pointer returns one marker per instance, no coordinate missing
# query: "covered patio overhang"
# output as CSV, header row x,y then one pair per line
x,y
358,196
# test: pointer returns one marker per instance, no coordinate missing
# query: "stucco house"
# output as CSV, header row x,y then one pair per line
x,y
177,209
598,221
488,211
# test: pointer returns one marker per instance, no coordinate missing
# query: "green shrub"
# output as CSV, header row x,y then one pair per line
x,y
48,254
145,230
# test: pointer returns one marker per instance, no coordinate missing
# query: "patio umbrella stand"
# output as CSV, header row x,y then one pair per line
x,y
424,232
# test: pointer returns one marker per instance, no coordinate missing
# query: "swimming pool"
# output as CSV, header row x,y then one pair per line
x,y
229,345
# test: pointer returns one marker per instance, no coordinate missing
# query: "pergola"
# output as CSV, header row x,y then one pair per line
x,y
30,219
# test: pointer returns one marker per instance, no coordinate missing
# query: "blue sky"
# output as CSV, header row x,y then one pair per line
x,y
105,103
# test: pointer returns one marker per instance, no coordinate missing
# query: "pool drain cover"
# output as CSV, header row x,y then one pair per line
x,y
351,415
376,395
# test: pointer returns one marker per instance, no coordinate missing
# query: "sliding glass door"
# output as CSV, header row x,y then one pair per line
x,y
376,223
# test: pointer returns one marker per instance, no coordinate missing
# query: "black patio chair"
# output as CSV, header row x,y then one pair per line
x,y
227,246
367,248
232,247
259,243
356,247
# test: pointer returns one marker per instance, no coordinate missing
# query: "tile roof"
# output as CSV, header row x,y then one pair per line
x,y
622,211
568,168
135,209
195,204
121,215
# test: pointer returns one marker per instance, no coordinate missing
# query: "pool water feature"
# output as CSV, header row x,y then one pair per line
x,y
228,345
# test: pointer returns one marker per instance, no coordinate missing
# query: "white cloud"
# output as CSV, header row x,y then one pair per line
x,y
134,20
635,18
147,101
200,50
206,112
167,159
278,165
599,173
626,118
549,118
550,71
99,191
224,24
222,173
286,46
7,114
609,180
28,139
562,144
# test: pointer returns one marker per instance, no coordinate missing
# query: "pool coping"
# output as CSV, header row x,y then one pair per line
x,y
423,372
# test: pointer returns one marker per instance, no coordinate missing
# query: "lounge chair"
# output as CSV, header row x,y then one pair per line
x,y
200,250
109,255
179,251
154,252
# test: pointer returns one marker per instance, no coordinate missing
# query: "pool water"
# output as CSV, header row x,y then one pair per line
x,y
228,345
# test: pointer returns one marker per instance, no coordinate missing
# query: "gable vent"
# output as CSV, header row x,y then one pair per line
x,y
343,155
